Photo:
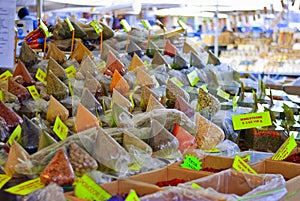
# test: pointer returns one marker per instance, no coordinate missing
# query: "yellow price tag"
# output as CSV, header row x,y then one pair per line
x,y
285,149
196,186
71,71
4,179
146,24
1,96
87,189
97,26
69,24
41,75
44,28
60,129
182,24
223,94
16,135
214,150
177,81
251,120
193,78
70,88
240,165
33,92
132,196
26,187
125,25
6,75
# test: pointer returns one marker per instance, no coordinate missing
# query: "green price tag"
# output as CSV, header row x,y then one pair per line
x,y
125,25
177,81
131,99
223,94
191,162
204,87
6,75
60,129
182,24
44,28
26,187
251,120
285,149
196,186
234,102
132,196
69,24
40,75
70,88
16,135
71,71
146,24
97,26
193,78
87,189
4,179
1,95
240,165
33,92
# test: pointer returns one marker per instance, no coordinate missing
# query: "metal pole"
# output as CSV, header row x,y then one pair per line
x,y
216,49
39,8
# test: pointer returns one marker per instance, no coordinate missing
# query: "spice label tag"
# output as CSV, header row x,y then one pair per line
x,y
6,75
193,78
70,88
196,186
71,72
1,95
146,24
70,25
33,92
16,135
223,94
182,24
235,102
4,179
246,158
285,149
97,26
191,162
240,165
131,99
132,196
204,87
251,120
60,129
125,25
40,76
177,81
44,28
87,189
26,187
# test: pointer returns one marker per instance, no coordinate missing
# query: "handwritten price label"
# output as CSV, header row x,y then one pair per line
x,y
4,179
191,162
97,26
251,120
125,25
132,196
146,24
41,75
71,71
16,135
33,92
240,165
60,129
26,187
6,75
69,24
285,149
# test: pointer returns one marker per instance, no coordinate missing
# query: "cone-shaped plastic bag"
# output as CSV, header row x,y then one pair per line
x,y
196,61
119,83
207,105
187,48
170,49
143,78
56,54
121,116
133,48
57,69
91,103
80,51
163,143
113,66
184,107
213,59
16,153
152,48
30,135
179,62
81,160
172,91
22,71
158,59
28,56
91,83
153,103
11,118
208,134
85,119
56,109
105,50
108,152
18,90
88,65
130,139
135,63
185,140
146,92
56,87
118,98
59,170
45,140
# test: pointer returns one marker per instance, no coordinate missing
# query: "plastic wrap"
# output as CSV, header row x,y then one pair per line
x,y
49,193
228,148
172,92
109,153
121,117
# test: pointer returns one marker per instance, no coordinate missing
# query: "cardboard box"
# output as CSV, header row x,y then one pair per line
x,y
290,171
121,187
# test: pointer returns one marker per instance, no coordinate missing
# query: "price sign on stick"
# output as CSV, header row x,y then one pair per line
x,y
60,129
73,33
164,29
285,149
44,28
148,26
127,29
99,30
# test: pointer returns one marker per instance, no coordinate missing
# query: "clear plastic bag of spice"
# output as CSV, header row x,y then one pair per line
x,y
49,193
